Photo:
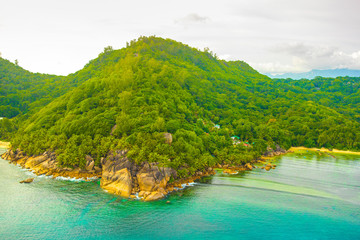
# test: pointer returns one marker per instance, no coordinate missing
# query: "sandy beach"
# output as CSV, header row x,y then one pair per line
x,y
4,144
324,150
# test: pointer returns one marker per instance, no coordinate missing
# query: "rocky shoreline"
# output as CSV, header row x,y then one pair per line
x,y
118,175
121,176
46,164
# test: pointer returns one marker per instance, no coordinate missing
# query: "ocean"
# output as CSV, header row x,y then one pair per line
x,y
307,196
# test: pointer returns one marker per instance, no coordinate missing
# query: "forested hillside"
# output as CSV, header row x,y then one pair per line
x,y
341,93
23,93
21,89
216,111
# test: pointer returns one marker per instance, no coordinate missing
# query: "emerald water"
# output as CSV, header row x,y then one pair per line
x,y
307,196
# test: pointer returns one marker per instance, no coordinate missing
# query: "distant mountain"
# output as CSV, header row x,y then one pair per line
x,y
322,73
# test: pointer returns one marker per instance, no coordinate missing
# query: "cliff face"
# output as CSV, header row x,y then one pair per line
x,y
123,177
119,175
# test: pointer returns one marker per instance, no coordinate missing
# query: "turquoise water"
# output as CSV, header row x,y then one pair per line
x,y
306,197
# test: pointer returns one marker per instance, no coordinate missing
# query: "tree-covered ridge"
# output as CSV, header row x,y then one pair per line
x,y
341,93
21,90
23,93
130,99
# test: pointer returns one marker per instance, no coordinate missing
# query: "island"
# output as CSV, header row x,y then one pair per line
x,y
158,114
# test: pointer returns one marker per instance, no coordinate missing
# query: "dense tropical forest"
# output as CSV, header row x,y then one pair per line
x,y
216,111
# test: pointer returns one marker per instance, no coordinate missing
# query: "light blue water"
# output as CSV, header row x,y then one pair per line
x,y
306,197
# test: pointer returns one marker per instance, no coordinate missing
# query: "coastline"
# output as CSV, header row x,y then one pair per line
x,y
151,183
323,150
122,177
4,144
45,164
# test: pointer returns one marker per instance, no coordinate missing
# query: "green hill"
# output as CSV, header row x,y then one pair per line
x,y
22,91
132,97
341,93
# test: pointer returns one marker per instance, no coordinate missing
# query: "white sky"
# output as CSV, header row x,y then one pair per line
x,y
273,36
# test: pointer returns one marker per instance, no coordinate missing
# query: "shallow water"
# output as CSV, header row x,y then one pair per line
x,y
306,197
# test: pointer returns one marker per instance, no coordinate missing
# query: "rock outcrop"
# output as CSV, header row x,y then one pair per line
x,y
230,171
274,152
90,163
268,167
168,138
249,166
154,196
152,178
122,176
117,172
119,182
29,180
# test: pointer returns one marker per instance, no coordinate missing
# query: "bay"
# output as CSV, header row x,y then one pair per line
x,y
308,196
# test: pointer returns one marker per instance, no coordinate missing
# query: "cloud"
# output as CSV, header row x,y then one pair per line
x,y
356,55
192,18
226,57
307,29
275,67
303,50
302,57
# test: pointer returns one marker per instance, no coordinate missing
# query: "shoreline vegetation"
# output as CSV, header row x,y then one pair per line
x,y
324,150
146,189
116,174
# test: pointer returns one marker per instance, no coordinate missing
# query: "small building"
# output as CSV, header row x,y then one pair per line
x,y
236,140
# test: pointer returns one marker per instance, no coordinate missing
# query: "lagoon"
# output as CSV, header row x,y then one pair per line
x,y
308,196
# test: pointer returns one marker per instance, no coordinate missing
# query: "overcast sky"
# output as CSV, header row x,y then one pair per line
x,y
273,36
